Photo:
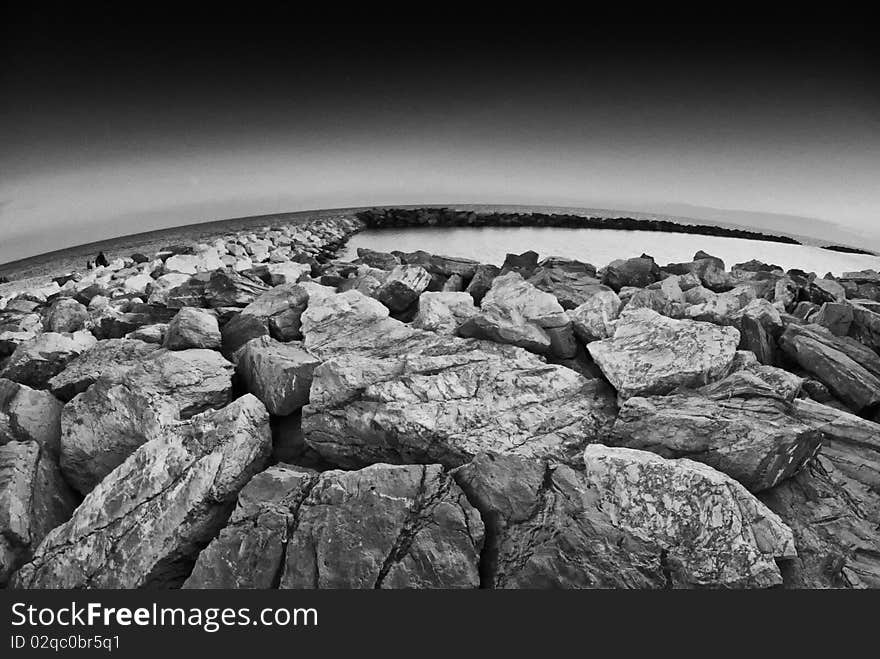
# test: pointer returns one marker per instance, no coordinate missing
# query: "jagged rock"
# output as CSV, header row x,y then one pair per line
x,y
149,333
402,287
113,324
164,285
110,357
454,284
865,326
439,266
836,317
289,272
736,428
192,263
101,427
66,315
523,264
755,266
571,282
279,374
723,306
141,284
379,260
29,415
192,328
443,312
390,393
625,522
655,300
34,499
653,354
850,370
593,320
803,310
36,361
385,526
144,524
515,312
482,281
826,290
637,272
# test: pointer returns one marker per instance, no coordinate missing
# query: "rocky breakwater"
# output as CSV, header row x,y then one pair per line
x,y
253,413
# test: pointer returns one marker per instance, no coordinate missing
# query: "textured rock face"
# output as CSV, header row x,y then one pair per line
x,y
482,281
738,429
101,427
515,312
402,286
632,272
836,317
571,282
652,354
390,393
625,522
36,361
279,374
28,415
850,370
110,358
192,263
66,315
145,523
444,312
865,326
385,526
723,306
593,320
34,499
192,328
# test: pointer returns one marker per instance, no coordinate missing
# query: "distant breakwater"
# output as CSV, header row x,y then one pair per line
x,y
380,218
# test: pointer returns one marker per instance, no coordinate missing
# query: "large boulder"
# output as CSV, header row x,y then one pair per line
x,y
390,393
652,354
36,361
849,369
121,411
34,499
65,315
638,272
630,520
29,415
594,319
571,282
279,374
192,263
385,526
865,324
515,312
443,312
402,287
481,282
109,357
144,525
192,328
736,426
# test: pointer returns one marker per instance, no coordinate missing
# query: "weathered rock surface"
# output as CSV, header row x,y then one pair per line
x,y
402,287
36,361
29,415
865,325
443,312
391,393
628,521
101,427
66,315
637,272
385,526
571,282
144,524
653,354
279,374
192,328
732,425
593,320
849,369
34,499
481,282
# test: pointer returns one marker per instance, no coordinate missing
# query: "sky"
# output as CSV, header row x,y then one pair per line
x,y
108,130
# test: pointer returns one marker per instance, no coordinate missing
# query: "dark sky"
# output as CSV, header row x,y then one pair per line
x,y
107,130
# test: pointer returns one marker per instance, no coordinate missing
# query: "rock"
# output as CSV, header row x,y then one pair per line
x,y
515,312
192,263
310,529
390,393
826,290
34,499
454,284
113,324
279,374
523,264
570,282
723,306
482,281
638,272
836,317
110,357
29,415
738,429
402,287
140,284
144,525
192,328
850,370
653,354
379,260
162,286
755,266
287,273
625,522
656,300
439,266
444,312
36,361
594,319
149,333
803,310
865,325
214,290
66,315
101,427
